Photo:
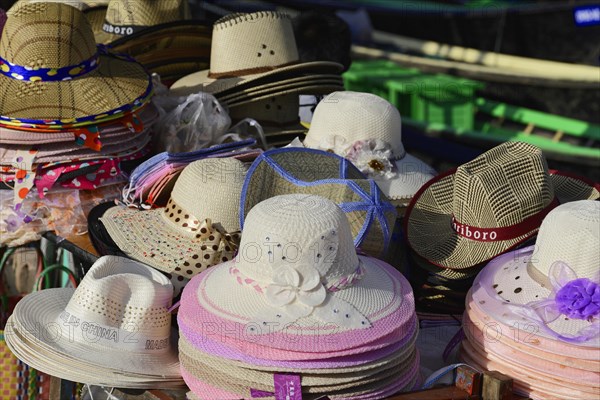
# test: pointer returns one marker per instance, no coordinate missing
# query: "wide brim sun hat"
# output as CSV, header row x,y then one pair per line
x,y
314,172
540,284
198,228
74,81
87,328
367,130
487,206
365,299
247,48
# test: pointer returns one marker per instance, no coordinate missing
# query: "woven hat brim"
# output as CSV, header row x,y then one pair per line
x,y
40,312
527,382
388,303
267,87
476,322
95,17
386,388
428,223
148,236
498,285
113,84
314,87
184,33
446,273
48,360
330,366
412,174
239,379
200,81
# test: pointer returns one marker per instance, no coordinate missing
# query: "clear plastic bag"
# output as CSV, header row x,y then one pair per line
x,y
189,123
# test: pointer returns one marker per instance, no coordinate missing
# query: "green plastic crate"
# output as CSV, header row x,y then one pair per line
x,y
372,76
439,99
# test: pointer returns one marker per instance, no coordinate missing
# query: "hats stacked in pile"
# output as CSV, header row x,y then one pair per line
x,y
158,34
2,20
298,310
71,114
534,313
254,61
113,330
198,228
461,219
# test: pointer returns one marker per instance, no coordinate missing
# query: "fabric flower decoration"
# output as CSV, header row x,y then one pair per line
x,y
373,158
576,298
298,288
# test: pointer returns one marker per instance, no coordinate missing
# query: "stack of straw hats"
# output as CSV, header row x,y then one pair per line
x,y
254,63
298,308
71,113
461,219
534,313
2,20
158,34
113,330
198,228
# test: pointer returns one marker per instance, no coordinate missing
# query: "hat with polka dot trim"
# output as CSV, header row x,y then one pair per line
x,y
198,228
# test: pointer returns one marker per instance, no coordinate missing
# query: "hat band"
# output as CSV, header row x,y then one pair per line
x,y
69,72
121,30
79,329
503,233
248,71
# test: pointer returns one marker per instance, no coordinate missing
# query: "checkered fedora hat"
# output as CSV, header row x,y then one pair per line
x,y
487,206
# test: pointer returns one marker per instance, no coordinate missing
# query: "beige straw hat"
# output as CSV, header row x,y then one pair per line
x,y
366,129
52,73
198,228
251,50
114,329
93,10
487,206
126,17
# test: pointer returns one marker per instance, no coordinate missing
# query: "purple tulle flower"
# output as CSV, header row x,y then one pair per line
x,y
579,299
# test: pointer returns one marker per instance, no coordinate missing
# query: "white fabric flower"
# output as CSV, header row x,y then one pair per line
x,y
373,158
298,289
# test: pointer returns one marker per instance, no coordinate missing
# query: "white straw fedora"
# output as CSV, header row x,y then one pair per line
x,y
198,228
114,329
250,50
554,285
367,130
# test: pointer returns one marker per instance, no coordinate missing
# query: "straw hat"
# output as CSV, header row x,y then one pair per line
x,y
554,284
297,270
367,130
113,330
75,82
126,17
250,50
307,171
94,10
2,20
487,206
198,228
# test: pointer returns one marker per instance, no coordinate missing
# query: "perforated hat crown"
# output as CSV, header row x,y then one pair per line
x,y
356,116
570,233
502,187
252,42
294,229
209,188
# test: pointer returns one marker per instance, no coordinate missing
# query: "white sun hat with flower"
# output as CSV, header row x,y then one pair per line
x,y
366,129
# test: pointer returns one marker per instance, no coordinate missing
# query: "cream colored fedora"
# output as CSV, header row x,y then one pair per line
x,y
251,50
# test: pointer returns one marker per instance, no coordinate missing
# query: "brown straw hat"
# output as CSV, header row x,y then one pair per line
x,y
125,17
249,47
52,73
488,205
